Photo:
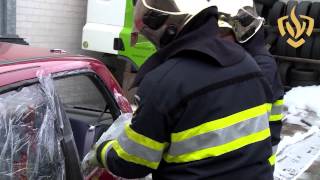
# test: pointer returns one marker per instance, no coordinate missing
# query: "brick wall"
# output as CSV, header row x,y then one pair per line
x,y
52,23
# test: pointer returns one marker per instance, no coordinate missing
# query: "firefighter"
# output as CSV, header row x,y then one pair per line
x,y
203,102
268,65
251,37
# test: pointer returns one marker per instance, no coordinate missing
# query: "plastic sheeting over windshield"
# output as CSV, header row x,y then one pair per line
x,y
31,124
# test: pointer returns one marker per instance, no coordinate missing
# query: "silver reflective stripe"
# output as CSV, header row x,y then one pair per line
x,y
139,150
274,149
276,110
220,137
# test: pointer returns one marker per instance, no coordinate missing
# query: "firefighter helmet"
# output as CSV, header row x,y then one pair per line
x,y
240,16
160,21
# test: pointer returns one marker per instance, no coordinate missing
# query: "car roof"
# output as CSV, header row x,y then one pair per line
x,y
21,62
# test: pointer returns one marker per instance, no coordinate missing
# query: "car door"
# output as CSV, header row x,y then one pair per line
x,y
89,109
89,105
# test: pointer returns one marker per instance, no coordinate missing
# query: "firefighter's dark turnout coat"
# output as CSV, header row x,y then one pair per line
x,y
203,113
269,68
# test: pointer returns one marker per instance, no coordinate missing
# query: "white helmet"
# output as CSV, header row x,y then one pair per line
x,y
240,16
160,21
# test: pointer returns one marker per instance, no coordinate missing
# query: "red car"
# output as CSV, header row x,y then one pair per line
x,y
35,144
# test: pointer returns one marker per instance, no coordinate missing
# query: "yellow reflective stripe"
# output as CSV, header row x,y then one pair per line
x,y
103,153
143,140
278,102
134,159
269,107
220,123
272,160
219,150
277,117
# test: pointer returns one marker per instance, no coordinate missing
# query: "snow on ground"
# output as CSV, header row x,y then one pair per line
x,y
303,98
298,152
303,105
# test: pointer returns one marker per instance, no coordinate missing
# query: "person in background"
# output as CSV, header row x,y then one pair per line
x,y
256,47
203,103
234,25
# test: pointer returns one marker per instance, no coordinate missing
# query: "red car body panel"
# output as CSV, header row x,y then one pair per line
x,y
20,63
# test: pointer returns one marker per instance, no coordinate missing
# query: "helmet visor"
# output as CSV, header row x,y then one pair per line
x,y
246,23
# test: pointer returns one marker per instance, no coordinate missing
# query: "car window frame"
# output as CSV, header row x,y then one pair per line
x,y
100,85
105,91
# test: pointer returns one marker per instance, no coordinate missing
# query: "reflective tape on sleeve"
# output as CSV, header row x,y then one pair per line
x,y
104,153
278,102
132,158
143,140
137,148
272,160
133,148
275,110
274,149
269,106
277,117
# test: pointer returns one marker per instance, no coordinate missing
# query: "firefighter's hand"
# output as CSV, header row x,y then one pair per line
x,y
90,161
256,44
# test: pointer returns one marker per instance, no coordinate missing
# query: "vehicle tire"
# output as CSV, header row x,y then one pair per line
x,y
303,83
315,14
290,6
275,13
284,68
303,77
305,52
268,3
303,8
291,51
281,47
306,49
316,47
